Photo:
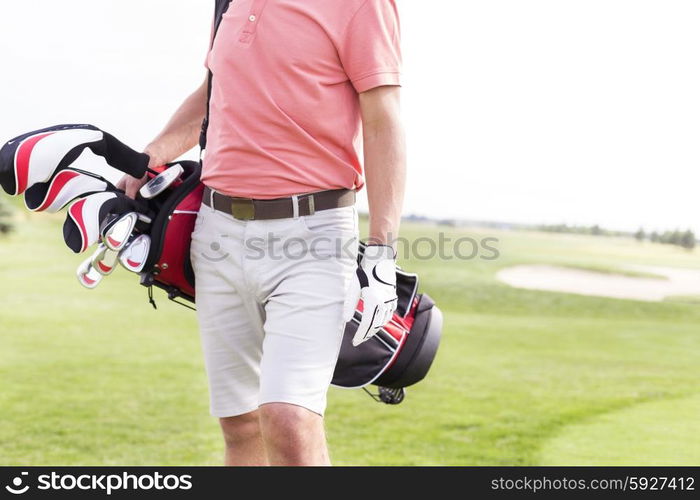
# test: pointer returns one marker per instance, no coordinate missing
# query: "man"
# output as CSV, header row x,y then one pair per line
x,y
300,88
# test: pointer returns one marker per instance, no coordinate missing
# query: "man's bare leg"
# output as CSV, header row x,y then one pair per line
x,y
244,444
293,435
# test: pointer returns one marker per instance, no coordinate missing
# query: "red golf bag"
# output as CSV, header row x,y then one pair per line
x,y
168,265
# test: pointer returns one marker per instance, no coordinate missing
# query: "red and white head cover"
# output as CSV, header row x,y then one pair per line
x,y
65,186
36,157
82,226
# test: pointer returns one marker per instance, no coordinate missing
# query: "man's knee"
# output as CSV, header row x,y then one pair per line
x,y
241,428
287,419
293,435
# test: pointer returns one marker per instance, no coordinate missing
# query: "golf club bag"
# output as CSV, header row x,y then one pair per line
x,y
51,169
168,265
401,354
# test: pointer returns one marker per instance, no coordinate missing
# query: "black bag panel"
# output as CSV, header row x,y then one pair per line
x,y
406,290
164,206
359,366
189,270
418,352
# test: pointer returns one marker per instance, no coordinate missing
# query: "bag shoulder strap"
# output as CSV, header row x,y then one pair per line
x,y
220,9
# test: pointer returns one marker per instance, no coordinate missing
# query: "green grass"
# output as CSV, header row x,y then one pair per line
x,y
658,433
522,377
684,299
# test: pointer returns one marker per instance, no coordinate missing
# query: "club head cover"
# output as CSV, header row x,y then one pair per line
x,y
135,254
82,226
64,187
36,156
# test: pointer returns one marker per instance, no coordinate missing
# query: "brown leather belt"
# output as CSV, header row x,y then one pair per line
x,y
278,208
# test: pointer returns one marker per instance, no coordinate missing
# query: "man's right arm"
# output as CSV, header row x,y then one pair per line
x,y
179,136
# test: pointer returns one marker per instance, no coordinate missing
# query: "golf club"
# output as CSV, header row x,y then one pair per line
x,y
104,260
117,230
134,255
88,275
161,182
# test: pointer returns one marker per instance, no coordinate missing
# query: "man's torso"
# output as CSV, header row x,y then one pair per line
x,y
284,115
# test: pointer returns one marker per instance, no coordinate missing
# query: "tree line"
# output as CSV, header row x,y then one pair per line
x,y
685,239
594,230
5,218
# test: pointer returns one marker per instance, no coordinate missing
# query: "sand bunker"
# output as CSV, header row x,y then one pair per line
x,y
568,280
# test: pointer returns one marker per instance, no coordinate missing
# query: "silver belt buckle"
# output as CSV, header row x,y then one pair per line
x,y
296,203
312,205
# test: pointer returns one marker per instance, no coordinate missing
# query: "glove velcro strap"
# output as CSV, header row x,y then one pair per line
x,y
362,278
376,252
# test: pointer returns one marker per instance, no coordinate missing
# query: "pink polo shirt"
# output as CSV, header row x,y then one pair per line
x,y
285,115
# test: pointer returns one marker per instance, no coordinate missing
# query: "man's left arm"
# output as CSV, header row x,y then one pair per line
x,y
370,52
385,173
385,161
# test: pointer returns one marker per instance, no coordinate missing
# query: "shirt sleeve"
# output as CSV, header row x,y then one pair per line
x,y
370,48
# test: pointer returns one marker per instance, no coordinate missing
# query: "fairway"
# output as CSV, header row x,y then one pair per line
x,y
522,377
655,433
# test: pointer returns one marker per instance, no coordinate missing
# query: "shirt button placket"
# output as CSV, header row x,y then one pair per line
x,y
251,26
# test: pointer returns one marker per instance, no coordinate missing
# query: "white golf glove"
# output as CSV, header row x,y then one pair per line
x,y
375,284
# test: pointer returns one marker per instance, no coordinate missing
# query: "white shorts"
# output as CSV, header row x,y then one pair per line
x,y
270,305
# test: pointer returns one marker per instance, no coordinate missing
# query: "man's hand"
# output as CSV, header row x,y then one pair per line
x,y
375,284
131,185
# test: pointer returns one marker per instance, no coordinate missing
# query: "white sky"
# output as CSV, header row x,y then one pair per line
x,y
529,111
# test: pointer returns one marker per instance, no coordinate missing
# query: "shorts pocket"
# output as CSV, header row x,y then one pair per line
x,y
199,220
335,221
